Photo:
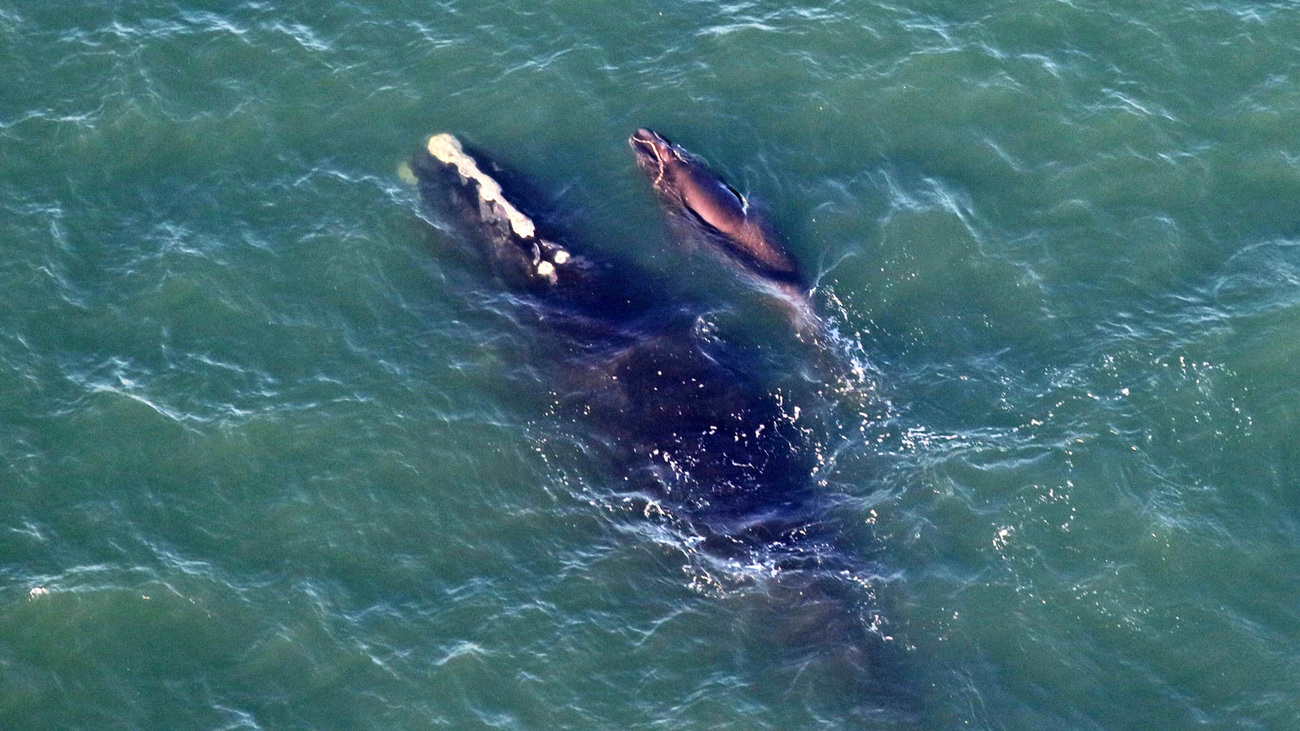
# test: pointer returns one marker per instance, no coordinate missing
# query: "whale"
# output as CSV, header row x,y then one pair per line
x,y
705,208
690,432
693,424
525,253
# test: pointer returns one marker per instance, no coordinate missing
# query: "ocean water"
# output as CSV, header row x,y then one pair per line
x,y
273,454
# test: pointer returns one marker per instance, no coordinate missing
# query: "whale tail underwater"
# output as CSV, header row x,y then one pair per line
x,y
683,421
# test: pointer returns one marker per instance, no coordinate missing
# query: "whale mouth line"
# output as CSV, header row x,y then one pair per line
x,y
645,139
648,145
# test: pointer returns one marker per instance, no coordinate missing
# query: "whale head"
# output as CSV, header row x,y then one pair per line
x,y
654,153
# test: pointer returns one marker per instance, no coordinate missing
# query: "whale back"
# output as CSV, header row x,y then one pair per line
x,y
708,197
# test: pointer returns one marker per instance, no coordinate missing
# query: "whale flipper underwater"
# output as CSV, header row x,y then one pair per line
x,y
684,421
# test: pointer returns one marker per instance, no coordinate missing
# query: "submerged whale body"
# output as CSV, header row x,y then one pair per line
x,y
689,427
694,429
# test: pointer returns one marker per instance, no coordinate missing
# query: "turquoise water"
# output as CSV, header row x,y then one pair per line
x,y
274,455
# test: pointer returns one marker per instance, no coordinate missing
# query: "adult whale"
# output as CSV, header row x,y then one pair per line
x,y
690,427
692,423
721,216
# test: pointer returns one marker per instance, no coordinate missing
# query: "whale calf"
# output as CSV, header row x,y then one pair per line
x,y
722,218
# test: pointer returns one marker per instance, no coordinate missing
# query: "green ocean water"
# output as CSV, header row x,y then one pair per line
x,y
273,454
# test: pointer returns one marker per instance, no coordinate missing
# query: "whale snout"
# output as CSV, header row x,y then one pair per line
x,y
651,148
654,154
643,136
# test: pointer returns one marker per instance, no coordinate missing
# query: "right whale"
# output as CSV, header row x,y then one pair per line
x,y
722,217
688,430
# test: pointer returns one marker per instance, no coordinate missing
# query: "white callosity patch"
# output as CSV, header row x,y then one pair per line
x,y
447,149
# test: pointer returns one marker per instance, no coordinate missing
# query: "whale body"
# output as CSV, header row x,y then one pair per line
x,y
687,427
723,216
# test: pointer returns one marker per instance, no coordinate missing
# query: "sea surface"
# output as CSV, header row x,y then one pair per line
x,y
274,454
